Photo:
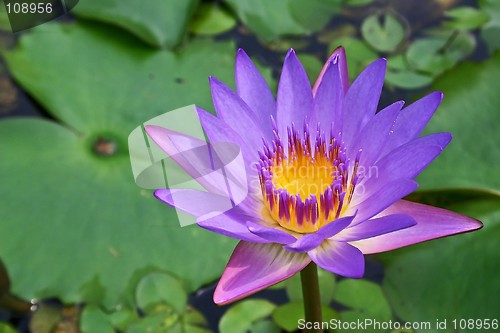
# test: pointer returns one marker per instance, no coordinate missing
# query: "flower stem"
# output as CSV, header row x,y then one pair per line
x,y
312,300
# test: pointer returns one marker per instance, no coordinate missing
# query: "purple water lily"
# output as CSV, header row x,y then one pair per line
x,y
326,173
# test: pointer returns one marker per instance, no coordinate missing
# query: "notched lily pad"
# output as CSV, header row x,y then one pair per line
x,y
89,232
384,32
159,23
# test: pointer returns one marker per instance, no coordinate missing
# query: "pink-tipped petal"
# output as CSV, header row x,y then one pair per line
x,y
253,267
253,89
339,258
432,223
376,227
412,120
361,100
294,101
328,101
338,53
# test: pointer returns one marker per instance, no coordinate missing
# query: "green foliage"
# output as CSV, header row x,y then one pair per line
x,y
272,19
160,287
466,18
98,232
287,316
459,282
470,112
240,317
211,19
364,299
383,32
6,328
491,30
159,23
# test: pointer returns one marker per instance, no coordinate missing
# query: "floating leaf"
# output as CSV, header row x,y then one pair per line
x,y
211,19
91,233
383,32
470,112
290,315
491,30
265,326
401,75
272,19
467,18
159,23
162,321
326,282
358,2
436,54
365,300
156,288
122,318
241,316
94,320
451,278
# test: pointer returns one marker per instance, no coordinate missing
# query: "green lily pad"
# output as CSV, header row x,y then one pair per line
x,y
491,30
265,326
272,19
291,315
159,23
440,52
211,19
159,287
399,74
364,299
122,318
241,316
87,230
383,32
94,319
326,282
466,18
451,278
470,112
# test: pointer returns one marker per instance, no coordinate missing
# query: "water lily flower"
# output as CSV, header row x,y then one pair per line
x,y
329,171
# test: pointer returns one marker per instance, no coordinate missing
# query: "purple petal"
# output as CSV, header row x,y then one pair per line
x,y
311,241
339,258
191,154
412,120
361,100
253,267
381,199
407,161
373,136
253,89
376,227
432,223
295,101
328,100
230,223
271,234
338,53
196,203
218,131
234,112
